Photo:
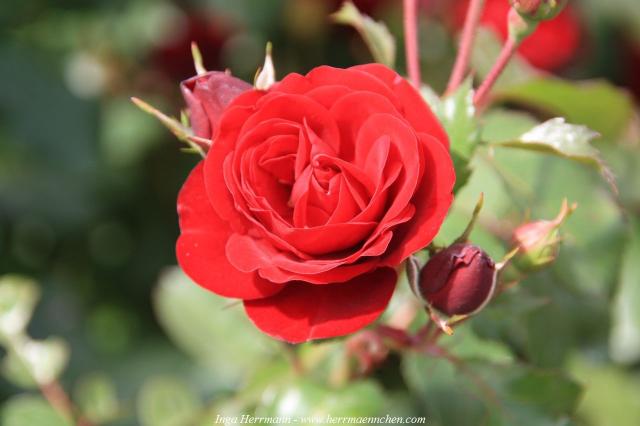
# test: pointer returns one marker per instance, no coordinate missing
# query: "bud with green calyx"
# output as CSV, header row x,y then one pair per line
x,y
519,26
457,281
538,10
538,242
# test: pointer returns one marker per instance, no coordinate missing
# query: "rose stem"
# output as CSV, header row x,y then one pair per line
x,y
466,45
508,50
411,41
60,401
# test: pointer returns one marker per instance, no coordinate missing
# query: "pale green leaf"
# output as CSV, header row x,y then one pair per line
x,y
16,370
457,114
306,399
624,343
611,393
18,298
479,392
30,362
467,345
167,401
28,410
375,34
209,328
96,398
566,140
502,125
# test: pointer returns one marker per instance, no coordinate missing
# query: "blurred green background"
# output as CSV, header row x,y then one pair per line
x,y
88,187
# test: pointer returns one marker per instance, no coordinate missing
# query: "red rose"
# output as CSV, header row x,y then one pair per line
x,y
310,196
552,45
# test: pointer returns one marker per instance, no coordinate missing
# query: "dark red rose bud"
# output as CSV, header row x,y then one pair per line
x,y
459,280
207,97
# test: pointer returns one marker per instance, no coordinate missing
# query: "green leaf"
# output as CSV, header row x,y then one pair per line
x,y
597,104
375,34
502,125
467,345
479,392
96,398
305,398
445,399
624,343
486,49
28,410
458,117
31,362
611,393
18,298
570,141
17,371
166,401
210,328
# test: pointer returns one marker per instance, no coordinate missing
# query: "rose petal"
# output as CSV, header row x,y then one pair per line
x,y
207,96
303,312
352,111
432,201
414,108
353,78
224,144
201,247
405,150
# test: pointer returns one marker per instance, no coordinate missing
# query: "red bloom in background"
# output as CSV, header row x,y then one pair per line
x,y
311,194
365,6
551,46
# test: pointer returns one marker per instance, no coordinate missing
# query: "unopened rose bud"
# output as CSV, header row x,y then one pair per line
x,y
458,280
538,10
539,241
519,26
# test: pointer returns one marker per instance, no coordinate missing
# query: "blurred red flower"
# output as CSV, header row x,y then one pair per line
x,y
550,47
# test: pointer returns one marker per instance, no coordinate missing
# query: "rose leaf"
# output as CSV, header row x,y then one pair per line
x,y
565,140
375,34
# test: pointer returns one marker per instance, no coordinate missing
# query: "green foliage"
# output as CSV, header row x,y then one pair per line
x,y
479,392
303,398
18,298
23,410
624,343
167,401
381,43
597,104
611,393
96,398
209,328
74,157
457,114
566,140
28,363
